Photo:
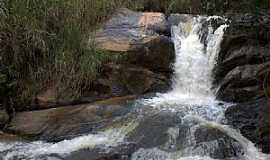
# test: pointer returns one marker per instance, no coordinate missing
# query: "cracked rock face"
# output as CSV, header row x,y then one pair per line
x,y
242,76
244,57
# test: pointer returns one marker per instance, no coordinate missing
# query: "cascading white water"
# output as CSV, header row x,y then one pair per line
x,y
192,83
192,93
41,150
192,71
192,96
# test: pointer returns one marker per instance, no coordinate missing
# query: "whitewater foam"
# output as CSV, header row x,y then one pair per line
x,y
192,82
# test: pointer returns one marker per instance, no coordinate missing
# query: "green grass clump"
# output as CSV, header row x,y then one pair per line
x,y
46,42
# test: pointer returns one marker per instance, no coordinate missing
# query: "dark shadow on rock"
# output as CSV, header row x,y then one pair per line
x,y
253,120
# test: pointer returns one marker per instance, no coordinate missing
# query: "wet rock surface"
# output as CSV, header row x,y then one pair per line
x,y
165,134
242,73
67,122
226,146
205,140
253,120
121,152
153,131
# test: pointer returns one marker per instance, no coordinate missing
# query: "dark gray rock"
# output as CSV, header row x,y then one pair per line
x,y
153,131
169,133
157,55
243,59
242,73
253,120
226,146
243,83
245,55
205,140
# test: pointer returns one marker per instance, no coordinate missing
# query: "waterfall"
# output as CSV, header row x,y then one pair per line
x,y
193,95
192,71
197,44
192,82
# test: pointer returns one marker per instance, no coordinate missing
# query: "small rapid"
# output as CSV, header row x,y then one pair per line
x,y
46,151
193,97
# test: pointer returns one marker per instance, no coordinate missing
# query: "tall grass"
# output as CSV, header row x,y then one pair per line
x,y
46,42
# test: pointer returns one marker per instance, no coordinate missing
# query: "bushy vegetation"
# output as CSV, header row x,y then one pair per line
x,y
46,42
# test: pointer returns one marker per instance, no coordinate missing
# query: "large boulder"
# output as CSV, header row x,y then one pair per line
x,y
244,83
153,130
121,80
226,146
244,57
141,36
167,134
242,74
67,122
206,139
253,120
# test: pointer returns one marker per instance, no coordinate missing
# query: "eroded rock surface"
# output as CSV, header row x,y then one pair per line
x,y
242,72
68,122
244,57
253,119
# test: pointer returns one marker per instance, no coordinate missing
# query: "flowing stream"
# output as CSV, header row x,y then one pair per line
x,y
198,129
